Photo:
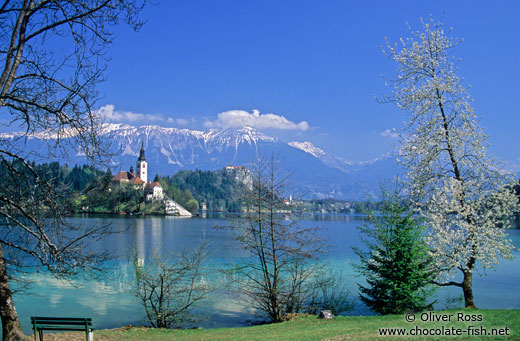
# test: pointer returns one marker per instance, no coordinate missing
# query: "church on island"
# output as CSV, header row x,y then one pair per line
x,y
152,191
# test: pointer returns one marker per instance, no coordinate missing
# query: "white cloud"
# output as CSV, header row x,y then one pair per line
x,y
241,118
108,113
391,133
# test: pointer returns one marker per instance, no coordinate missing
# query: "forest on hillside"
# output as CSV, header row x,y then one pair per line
x,y
87,189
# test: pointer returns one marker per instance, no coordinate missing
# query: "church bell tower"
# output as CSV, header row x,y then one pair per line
x,y
142,166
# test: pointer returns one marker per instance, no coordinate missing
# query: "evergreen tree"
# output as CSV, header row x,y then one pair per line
x,y
396,264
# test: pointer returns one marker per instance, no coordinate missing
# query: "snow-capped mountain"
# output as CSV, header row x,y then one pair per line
x,y
315,173
329,160
387,160
170,149
308,147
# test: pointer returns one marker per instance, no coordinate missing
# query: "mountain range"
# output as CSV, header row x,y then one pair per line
x,y
314,173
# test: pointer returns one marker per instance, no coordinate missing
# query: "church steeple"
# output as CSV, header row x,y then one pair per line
x,y
142,170
141,153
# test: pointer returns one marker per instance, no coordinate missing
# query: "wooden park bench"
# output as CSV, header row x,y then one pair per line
x,y
62,324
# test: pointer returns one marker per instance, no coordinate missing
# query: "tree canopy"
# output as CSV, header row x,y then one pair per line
x,y
462,192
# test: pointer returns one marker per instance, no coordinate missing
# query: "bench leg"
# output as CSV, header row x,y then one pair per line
x,y
40,333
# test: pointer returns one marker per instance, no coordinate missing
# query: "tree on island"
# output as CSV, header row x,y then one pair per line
x,y
462,193
397,265
49,92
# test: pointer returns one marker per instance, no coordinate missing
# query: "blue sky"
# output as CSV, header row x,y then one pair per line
x,y
317,64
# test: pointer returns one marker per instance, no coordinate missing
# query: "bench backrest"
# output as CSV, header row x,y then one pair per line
x,y
62,321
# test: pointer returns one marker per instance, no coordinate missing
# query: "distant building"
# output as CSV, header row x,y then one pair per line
x,y
124,176
128,177
153,191
231,168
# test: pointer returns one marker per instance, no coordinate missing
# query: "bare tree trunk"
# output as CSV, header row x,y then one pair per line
x,y
467,288
276,314
11,329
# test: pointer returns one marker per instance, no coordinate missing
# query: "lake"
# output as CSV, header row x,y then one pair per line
x,y
111,303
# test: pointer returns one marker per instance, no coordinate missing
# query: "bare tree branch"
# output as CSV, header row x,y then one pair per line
x,y
53,94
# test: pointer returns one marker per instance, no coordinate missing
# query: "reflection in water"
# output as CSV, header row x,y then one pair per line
x,y
111,302
157,228
55,299
140,247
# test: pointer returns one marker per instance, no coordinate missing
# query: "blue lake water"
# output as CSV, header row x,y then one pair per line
x,y
111,303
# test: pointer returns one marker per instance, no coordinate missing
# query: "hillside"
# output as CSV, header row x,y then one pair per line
x,y
220,190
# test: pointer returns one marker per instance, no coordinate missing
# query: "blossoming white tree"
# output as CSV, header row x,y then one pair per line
x,y
463,193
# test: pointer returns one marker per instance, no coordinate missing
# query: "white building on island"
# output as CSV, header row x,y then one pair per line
x,y
152,191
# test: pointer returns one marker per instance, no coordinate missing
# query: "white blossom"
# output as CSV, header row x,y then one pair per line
x,y
463,193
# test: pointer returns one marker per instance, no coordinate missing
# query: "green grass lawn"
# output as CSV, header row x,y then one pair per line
x,y
306,327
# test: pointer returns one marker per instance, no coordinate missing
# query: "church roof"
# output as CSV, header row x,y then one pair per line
x,y
136,181
123,176
151,185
